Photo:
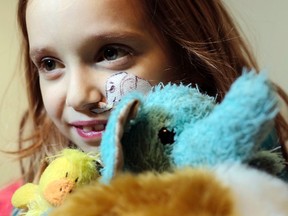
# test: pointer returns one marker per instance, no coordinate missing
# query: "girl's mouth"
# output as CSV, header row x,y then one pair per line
x,y
89,131
92,128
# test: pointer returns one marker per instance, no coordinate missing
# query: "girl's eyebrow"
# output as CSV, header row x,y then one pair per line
x,y
105,36
118,35
37,52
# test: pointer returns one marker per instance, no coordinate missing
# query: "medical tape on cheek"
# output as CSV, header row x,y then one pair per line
x,y
118,85
122,83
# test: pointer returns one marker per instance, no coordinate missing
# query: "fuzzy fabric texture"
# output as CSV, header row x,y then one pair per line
x,y
187,192
177,126
254,192
234,129
68,171
224,190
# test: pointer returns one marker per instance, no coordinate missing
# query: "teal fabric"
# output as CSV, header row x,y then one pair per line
x,y
205,133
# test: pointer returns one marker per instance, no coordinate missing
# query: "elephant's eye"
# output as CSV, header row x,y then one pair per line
x,y
112,89
166,136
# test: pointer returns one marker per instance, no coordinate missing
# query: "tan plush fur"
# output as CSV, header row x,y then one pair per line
x,y
185,192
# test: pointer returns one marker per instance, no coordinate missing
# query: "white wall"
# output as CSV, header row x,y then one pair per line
x,y
264,22
11,91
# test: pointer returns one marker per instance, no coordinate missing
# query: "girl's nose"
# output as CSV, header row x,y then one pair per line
x,y
84,90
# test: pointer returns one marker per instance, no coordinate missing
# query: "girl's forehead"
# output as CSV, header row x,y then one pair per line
x,y
116,8
63,18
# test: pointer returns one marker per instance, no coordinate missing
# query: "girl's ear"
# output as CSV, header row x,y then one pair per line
x,y
111,146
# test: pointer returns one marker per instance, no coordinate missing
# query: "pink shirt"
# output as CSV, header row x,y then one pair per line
x,y
5,198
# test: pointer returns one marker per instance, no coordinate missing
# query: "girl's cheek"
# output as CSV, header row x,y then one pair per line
x,y
54,100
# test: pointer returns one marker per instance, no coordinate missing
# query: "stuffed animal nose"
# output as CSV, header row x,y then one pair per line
x,y
56,191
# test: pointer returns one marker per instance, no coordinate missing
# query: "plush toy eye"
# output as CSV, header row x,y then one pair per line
x,y
166,136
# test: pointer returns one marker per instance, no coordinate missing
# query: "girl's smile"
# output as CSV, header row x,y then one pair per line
x,y
75,55
90,130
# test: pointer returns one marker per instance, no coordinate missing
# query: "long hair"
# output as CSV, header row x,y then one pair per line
x,y
207,45
205,41
38,137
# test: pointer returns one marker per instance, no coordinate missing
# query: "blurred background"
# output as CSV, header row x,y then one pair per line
x,y
264,23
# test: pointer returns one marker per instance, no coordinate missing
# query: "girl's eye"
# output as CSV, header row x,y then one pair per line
x,y
115,57
113,53
49,68
110,54
49,64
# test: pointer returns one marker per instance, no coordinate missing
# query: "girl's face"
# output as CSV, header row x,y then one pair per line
x,y
76,45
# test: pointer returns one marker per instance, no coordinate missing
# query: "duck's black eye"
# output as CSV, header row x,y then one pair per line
x,y
166,136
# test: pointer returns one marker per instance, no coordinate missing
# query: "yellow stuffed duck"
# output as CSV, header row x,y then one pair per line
x,y
69,170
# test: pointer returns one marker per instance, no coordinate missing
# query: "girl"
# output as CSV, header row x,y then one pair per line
x,y
71,47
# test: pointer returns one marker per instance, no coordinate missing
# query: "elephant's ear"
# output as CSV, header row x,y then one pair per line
x,y
111,146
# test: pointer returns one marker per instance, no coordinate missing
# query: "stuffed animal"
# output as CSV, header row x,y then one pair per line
x,y
175,127
69,170
225,190
178,126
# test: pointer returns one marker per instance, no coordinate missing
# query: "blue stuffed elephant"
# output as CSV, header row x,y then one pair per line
x,y
178,126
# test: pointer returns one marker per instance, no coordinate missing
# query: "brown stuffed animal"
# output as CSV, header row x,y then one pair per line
x,y
180,193
224,191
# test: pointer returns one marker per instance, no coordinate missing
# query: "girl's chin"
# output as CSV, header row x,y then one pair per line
x,y
88,146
